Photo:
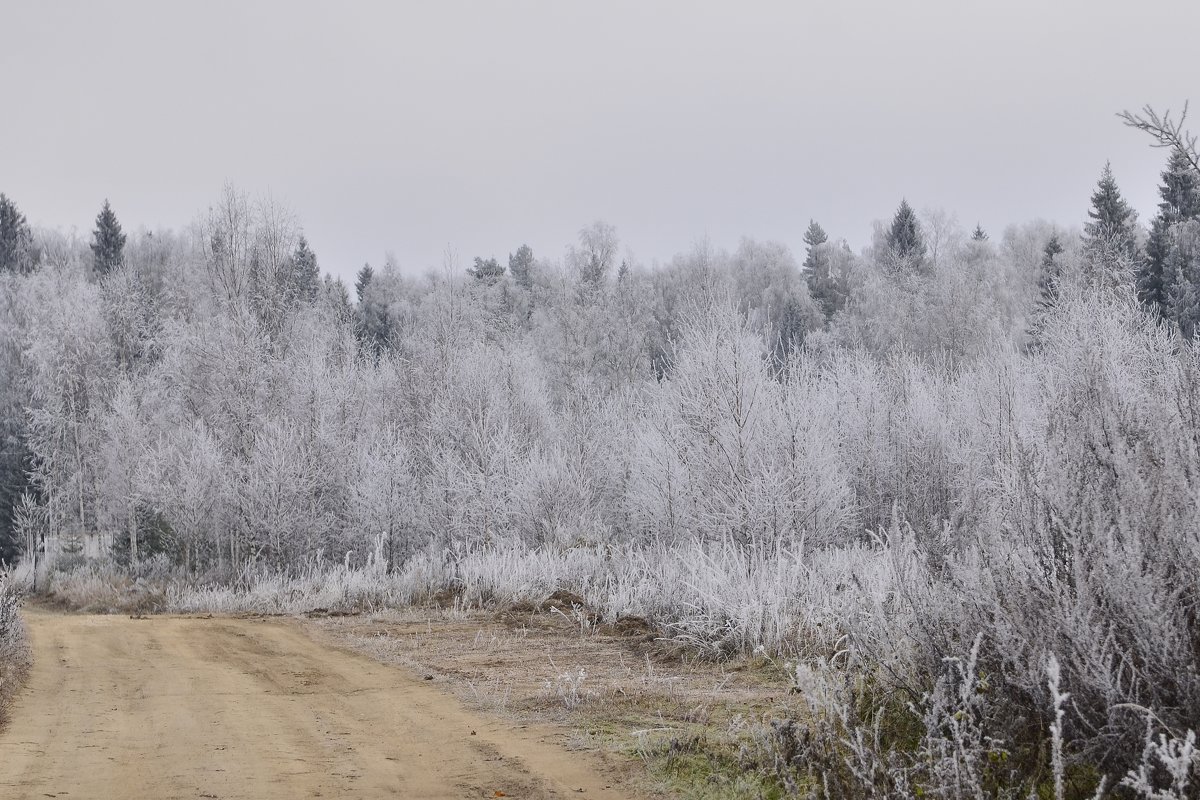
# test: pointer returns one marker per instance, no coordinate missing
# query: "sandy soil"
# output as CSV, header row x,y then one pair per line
x,y
521,665
168,707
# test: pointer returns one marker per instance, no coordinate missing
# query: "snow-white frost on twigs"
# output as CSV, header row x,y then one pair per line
x,y
1170,767
14,643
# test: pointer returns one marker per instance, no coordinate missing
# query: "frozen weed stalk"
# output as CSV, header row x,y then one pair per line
x,y
568,686
579,616
1170,766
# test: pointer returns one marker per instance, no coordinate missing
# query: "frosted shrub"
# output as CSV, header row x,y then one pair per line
x,y
568,687
1170,767
14,644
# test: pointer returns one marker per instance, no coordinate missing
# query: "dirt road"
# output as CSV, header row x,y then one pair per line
x,y
238,708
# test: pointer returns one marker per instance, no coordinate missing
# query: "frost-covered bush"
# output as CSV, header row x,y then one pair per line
x,y
14,645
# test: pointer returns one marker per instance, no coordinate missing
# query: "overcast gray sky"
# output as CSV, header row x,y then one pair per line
x,y
411,126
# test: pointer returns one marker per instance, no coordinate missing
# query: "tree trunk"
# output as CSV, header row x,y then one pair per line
x,y
133,537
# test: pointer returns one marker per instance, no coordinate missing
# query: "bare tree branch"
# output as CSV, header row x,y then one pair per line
x,y
1165,131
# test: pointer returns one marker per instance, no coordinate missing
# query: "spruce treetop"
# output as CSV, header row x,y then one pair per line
x,y
108,242
306,272
520,266
815,235
904,237
1111,220
1180,189
363,280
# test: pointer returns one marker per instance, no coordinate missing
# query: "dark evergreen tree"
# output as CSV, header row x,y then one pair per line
x,y
15,459
372,318
813,237
338,298
16,241
979,234
825,290
362,281
1180,193
520,266
791,326
486,270
1048,281
1110,235
1048,285
904,240
1182,270
306,274
108,242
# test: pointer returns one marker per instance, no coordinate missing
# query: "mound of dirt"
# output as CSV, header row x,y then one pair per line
x,y
631,626
563,601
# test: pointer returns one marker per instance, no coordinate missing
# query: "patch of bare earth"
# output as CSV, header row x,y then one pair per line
x,y
618,691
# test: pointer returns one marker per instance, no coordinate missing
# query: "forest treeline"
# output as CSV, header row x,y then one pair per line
x,y
208,396
954,453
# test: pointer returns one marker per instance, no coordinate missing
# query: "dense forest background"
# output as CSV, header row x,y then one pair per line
x,y
207,397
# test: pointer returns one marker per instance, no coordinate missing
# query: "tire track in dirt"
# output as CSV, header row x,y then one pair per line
x,y
179,707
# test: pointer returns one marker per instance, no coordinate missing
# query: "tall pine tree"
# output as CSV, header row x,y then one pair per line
x,y
362,281
108,242
1182,268
814,236
16,241
904,240
1110,234
1048,281
520,266
1180,193
306,274
1048,287
818,273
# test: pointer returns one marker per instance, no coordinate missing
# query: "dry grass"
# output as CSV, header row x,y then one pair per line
x,y
615,689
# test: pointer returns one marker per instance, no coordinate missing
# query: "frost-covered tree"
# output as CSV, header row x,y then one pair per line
x,y
306,274
1050,275
1110,239
486,270
337,298
1182,266
979,234
906,245
108,242
597,250
1050,265
521,266
824,287
1180,193
363,280
16,241
373,322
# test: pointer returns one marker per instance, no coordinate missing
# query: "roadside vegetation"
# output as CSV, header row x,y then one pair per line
x,y
14,645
